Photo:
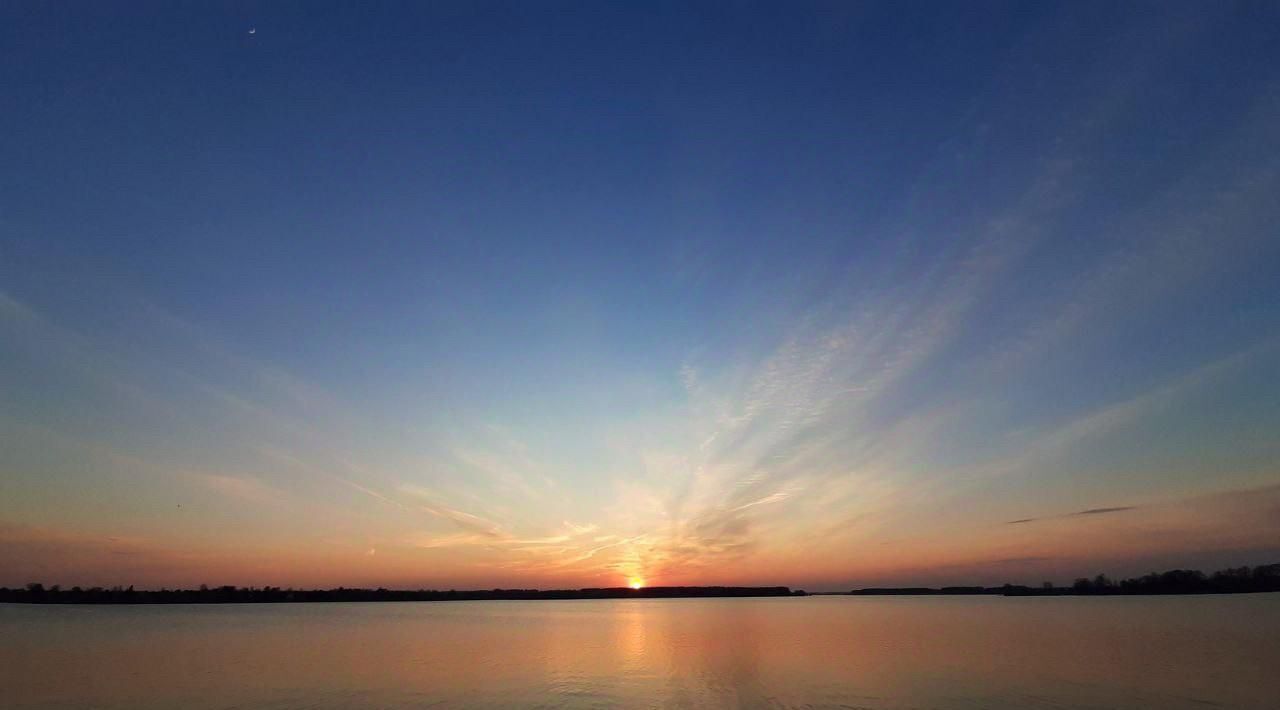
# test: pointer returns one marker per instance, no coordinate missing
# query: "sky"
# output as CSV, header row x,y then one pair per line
x,y
474,295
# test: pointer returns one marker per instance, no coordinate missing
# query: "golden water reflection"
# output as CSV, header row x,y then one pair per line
x,y
956,652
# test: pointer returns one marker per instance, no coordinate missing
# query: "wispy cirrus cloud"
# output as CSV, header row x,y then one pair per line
x,y
1078,513
1100,511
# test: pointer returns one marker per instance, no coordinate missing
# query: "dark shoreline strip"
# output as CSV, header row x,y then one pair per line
x,y
38,594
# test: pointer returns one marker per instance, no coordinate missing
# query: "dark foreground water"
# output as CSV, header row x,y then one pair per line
x,y
861,652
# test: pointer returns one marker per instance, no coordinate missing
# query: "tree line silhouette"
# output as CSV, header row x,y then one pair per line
x,y
36,593
1235,580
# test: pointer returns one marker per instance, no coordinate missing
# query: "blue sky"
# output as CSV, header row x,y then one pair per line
x,y
579,293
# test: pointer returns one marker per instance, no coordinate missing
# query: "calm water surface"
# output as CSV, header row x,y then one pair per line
x,y
860,652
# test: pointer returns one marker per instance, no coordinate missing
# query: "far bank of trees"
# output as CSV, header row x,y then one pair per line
x,y
1264,578
1236,580
39,594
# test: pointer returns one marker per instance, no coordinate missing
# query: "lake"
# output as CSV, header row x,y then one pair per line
x,y
859,652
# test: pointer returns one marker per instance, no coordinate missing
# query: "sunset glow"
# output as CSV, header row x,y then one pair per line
x,y
475,299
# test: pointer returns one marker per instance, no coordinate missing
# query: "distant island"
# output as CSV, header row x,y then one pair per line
x,y
39,594
1237,580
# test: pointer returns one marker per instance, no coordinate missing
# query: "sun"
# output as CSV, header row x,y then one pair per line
x,y
636,583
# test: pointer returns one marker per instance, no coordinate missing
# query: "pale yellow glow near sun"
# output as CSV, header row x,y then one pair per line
x,y
637,583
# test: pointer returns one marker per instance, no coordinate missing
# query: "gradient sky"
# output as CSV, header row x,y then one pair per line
x,y
574,294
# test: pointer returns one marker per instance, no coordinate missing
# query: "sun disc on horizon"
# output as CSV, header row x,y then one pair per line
x,y
637,583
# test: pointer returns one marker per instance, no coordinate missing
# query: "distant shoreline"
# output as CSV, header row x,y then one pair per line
x,y
1238,580
38,594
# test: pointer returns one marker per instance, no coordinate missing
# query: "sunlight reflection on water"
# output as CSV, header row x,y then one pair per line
x,y
960,652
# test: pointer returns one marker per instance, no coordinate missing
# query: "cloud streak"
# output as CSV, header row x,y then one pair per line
x,y
1078,513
